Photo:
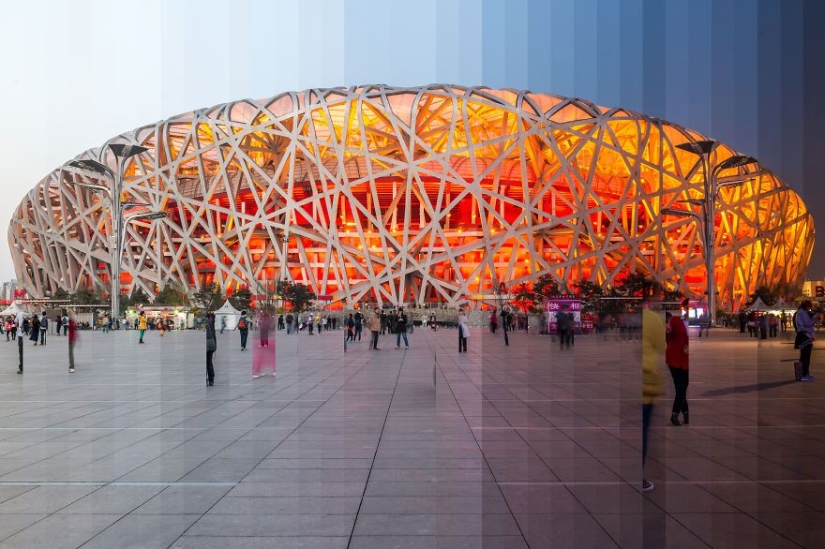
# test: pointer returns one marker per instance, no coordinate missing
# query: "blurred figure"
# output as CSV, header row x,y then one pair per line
x,y
142,325
678,362
803,321
243,328
72,333
21,335
653,350
374,325
211,347
463,332
35,329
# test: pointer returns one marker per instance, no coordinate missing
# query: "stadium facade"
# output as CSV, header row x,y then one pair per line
x,y
436,194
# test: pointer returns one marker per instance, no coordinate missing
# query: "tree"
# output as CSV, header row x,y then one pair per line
x,y
590,293
524,296
769,296
139,297
60,295
241,299
84,296
672,295
297,295
172,294
208,298
634,285
545,286
588,289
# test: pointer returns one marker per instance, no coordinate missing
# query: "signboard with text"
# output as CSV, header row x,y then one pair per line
x,y
567,303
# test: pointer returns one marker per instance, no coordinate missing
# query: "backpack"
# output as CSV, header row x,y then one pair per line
x,y
242,324
793,321
44,323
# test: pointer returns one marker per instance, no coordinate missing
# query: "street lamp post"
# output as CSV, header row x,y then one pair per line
x,y
122,153
707,205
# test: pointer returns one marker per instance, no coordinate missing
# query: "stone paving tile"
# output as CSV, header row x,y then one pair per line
x,y
731,530
284,525
143,532
754,498
517,441
113,499
261,542
11,524
60,531
578,530
409,524
438,542
651,529
297,505
46,499
183,500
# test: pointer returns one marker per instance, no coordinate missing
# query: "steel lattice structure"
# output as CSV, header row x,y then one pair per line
x,y
430,194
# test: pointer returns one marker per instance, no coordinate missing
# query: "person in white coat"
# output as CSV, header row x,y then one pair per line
x,y
463,332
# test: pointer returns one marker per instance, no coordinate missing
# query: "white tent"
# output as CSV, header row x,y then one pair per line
x,y
228,313
759,305
782,306
12,310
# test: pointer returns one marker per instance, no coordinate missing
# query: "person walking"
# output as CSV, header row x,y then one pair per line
x,y
773,324
142,324
57,325
401,329
265,326
803,322
463,332
44,327
71,331
262,357
374,326
289,320
223,323
243,329
350,324
493,322
564,323
21,336
677,358
653,350
211,347
34,333
9,328
310,323
359,325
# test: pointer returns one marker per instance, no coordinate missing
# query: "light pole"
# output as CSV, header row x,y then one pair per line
x,y
122,153
707,206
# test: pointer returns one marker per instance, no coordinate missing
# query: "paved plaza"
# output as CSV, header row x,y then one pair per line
x,y
526,445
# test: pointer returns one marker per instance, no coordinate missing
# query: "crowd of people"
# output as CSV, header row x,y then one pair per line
x,y
35,328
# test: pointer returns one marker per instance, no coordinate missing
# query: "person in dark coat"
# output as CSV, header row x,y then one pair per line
x,y
211,347
677,357
34,331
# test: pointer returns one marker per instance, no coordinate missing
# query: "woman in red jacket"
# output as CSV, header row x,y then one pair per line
x,y
678,361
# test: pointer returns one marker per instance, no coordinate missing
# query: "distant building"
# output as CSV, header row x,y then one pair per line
x,y
7,290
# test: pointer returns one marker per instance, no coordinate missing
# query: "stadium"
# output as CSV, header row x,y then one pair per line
x,y
436,195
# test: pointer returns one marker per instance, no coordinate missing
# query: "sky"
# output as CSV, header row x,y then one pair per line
x,y
749,73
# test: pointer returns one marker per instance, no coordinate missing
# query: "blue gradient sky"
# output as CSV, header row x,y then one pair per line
x,y
747,72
